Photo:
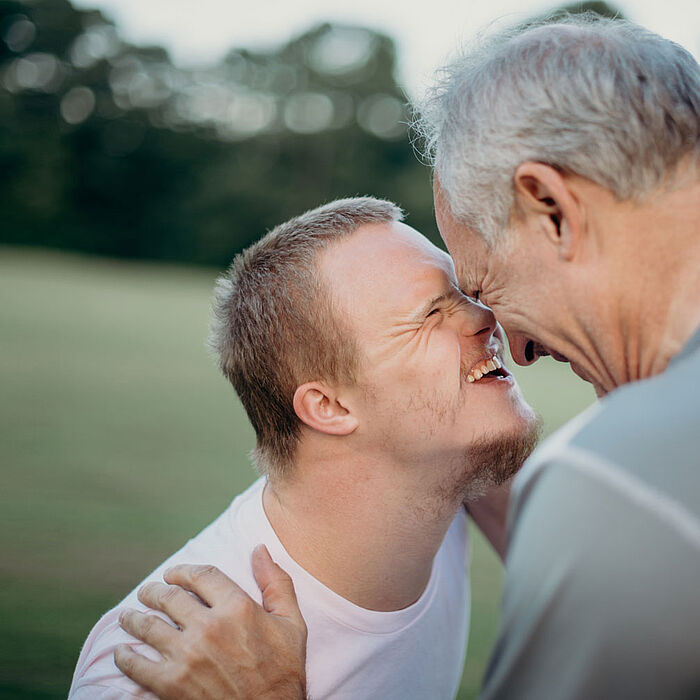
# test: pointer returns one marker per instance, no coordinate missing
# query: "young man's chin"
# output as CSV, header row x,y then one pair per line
x,y
493,460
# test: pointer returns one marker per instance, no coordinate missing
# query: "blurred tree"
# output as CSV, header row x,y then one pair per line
x,y
110,149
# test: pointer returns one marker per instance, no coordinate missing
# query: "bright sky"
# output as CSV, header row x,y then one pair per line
x,y
201,31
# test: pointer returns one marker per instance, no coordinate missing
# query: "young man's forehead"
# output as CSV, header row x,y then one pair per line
x,y
388,269
411,248
387,247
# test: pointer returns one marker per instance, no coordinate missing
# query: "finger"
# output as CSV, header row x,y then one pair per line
x,y
149,629
207,582
275,584
176,603
140,669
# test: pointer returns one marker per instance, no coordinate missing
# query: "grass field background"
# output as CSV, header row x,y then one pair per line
x,y
120,441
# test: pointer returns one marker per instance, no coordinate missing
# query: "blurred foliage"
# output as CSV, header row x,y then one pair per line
x,y
109,148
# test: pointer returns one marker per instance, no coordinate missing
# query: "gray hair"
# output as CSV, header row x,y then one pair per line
x,y
605,99
275,327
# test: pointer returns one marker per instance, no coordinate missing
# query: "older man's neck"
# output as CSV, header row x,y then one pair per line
x,y
351,526
676,272
657,244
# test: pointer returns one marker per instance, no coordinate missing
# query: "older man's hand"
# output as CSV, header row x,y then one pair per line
x,y
227,646
490,513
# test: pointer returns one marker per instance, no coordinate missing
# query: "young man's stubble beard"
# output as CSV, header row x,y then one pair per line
x,y
494,460
487,462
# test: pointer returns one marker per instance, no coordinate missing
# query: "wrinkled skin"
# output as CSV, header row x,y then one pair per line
x,y
228,646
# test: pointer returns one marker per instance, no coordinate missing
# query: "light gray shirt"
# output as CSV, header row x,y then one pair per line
x,y
602,588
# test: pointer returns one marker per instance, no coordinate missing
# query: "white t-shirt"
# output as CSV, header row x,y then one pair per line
x,y
352,652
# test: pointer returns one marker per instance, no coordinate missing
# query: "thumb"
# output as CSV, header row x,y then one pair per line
x,y
275,585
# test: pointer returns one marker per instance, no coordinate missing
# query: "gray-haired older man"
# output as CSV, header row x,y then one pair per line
x,y
568,192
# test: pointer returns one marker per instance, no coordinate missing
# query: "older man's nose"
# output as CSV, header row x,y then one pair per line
x,y
523,350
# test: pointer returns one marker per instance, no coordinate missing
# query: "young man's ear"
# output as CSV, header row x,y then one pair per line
x,y
547,202
320,407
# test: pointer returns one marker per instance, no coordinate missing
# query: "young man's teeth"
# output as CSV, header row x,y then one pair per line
x,y
489,366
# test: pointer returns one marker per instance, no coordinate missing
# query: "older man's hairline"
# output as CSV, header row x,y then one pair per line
x,y
477,176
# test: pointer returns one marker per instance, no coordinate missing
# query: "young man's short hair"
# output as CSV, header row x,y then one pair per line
x,y
274,325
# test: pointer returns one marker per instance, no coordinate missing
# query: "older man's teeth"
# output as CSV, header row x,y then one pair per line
x,y
478,375
470,378
497,362
491,365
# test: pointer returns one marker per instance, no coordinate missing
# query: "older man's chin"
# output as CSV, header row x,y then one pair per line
x,y
493,460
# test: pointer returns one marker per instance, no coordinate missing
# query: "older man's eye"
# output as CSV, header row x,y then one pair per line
x,y
433,312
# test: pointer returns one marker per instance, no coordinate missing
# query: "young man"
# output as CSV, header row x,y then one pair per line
x,y
381,405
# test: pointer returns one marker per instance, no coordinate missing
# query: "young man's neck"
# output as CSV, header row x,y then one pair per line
x,y
352,526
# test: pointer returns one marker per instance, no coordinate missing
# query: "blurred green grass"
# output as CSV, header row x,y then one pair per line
x,y
121,441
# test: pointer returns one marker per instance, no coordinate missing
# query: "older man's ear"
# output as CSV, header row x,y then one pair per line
x,y
323,408
547,201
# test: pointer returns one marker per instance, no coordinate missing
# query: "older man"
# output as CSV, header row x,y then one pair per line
x,y
380,406
568,192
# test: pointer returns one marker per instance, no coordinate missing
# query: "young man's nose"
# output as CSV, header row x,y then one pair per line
x,y
478,321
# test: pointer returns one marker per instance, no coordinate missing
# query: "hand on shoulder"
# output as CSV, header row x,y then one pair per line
x,y
226,645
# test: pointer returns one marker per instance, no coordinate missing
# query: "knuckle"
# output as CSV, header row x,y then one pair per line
x,y
213,631
203,572
147,623
281,589
284,578
123,660
147,592
169,594
243,607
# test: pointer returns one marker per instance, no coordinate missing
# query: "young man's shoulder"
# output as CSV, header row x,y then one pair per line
x,y
227,543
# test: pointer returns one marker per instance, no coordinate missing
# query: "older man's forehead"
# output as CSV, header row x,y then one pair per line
x,y
471,265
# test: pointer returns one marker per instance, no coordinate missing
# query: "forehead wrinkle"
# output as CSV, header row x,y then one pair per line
x,y
416,270
465,276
